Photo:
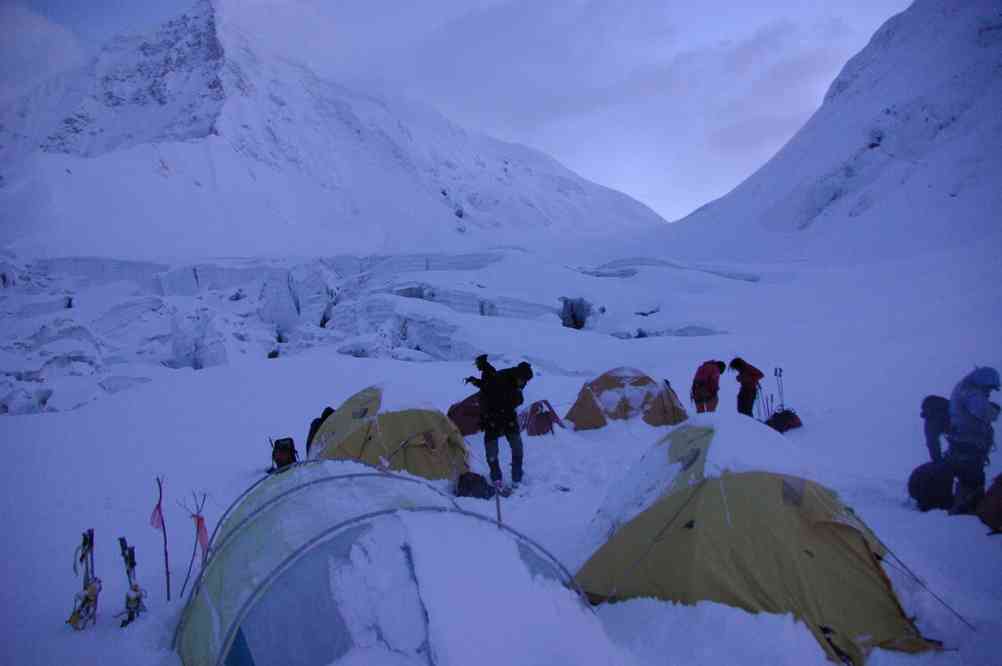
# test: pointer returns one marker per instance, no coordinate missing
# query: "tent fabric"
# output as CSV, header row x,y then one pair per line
x,y
423,442
624,393
759,541
308,563
276,519
466,414
539,419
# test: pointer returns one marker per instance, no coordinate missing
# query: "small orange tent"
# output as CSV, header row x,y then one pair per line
x,y
623,393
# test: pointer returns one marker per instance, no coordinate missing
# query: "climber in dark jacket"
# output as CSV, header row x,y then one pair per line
x,y
500,395
748,376
971,435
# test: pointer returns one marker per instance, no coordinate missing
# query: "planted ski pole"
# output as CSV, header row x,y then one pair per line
x,y
157,522
778,372
497,500
201,535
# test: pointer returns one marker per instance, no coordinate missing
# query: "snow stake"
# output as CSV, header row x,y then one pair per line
x,y
201,535
157,523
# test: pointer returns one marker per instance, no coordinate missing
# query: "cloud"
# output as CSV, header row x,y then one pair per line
x,y
32,48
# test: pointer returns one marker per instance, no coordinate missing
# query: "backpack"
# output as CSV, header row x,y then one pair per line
x,y
784,420
936,409
990,508
500,395
471,484
315,426
283,453
931,486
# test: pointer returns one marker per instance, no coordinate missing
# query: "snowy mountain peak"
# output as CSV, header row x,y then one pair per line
x,y
163,86
203,138
899,159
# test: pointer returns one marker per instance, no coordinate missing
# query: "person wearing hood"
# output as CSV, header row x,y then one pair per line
x,y
500,395
971,436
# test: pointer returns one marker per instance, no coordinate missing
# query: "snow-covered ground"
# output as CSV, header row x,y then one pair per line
x,y
856,380
869,273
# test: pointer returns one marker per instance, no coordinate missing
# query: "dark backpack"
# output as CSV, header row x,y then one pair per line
x,y
784,420
931,486
990,508
936,409
501,395
471,484
283,453
315,426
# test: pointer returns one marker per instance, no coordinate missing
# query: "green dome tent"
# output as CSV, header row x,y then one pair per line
x,y
310,564
756,540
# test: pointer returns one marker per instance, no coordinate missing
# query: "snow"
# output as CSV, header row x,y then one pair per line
x,y
207,145
135,333
515,610
739,444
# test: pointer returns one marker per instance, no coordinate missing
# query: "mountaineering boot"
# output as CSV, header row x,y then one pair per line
x,y
516,472
496,475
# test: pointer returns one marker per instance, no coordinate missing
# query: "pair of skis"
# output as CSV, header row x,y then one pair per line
x,y
86,601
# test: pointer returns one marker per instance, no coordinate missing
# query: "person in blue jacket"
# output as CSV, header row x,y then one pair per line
x,y
971,436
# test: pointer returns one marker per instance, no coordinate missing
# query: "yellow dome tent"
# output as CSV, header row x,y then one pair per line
x,y
423,442
760,541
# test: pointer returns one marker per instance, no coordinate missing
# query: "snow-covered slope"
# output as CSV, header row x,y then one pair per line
x,y
911,305
901,158
195,140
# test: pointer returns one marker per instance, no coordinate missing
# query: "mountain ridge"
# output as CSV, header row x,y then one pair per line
x,y
188,142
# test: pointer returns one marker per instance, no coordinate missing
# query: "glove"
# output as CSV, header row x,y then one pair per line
x,y
469,380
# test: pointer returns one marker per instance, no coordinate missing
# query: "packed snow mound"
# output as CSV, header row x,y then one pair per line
x,y
899,160
205,138
739,444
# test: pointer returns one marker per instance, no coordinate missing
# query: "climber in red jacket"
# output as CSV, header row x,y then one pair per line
x,y
706,385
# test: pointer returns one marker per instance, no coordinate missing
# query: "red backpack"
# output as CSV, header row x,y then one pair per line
x,y
990,508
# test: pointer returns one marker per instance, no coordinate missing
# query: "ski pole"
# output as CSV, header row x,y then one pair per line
x,y
779,382
497,500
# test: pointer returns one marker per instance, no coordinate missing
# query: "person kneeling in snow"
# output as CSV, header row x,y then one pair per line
x,y
500,395
748,376
706,386
971,435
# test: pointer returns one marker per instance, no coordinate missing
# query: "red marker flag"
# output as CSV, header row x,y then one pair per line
x,y
157,518
202,535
